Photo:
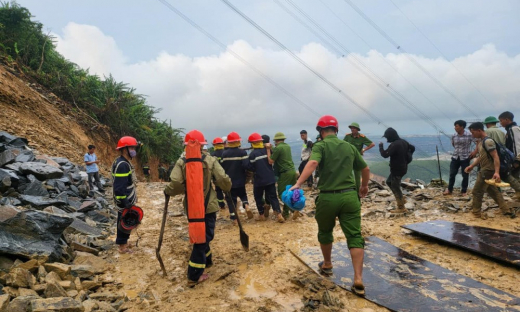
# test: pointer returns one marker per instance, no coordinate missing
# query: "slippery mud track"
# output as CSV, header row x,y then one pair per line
x,y
269,277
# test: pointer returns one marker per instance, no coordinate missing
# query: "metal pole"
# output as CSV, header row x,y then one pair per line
x,y
439,165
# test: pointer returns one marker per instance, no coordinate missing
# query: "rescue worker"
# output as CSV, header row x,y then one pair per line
x,y
283,166
264,179
218,150
235,162
267,205
492,130
358,140
146,172
338,196
124,184
201,255
305,154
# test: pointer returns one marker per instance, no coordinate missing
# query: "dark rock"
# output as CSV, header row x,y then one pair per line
x,y
2,147
99,216
8,157
74,202
76,177
61,160
41,171
35,188
6,137
65,180
15,179
6,201
87,206
41,202
78,226
19,142
31,233
25,156
5,180
14,166
83,191
62,304
57,185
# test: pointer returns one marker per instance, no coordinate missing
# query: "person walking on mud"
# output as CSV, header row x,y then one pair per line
x,y
124,185
338,196
201,256
398,152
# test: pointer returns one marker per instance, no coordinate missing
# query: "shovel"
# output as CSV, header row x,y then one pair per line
x,y
158,249
244,238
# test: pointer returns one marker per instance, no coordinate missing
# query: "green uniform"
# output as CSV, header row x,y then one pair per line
x,y
496,134
338,191
284,169
358,142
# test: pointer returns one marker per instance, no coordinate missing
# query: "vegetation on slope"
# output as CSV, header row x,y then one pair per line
x,y
105,100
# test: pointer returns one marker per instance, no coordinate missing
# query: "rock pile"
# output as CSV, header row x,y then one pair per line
x,y
52,227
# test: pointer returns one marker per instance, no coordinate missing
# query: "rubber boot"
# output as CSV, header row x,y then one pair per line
x,y
279,217
400,207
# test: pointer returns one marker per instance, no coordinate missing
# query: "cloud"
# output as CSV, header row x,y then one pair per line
x,y
218,94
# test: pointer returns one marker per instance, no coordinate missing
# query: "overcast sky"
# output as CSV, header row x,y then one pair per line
x,y
199,85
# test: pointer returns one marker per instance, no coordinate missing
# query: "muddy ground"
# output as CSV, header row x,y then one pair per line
x,y
269,277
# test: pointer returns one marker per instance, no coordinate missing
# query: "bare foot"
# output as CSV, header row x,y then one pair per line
x,y
446,192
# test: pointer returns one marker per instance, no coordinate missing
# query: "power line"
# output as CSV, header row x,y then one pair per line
x,y
384,59
446,58
407,55
223,46
294,56
381,82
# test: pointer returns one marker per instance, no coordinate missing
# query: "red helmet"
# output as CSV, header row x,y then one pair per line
x,y
130,219
126,141
218,141
195,135
233,137
327,121
255,137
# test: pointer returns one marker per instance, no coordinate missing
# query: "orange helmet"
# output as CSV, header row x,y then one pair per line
x,y
327,121
126,141
195,135
218,141
233,137
255,137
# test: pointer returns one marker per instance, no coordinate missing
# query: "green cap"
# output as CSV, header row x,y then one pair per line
x,y
490,119
355,125
279,136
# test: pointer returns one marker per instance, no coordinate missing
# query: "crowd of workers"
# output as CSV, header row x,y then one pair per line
x,y
343,179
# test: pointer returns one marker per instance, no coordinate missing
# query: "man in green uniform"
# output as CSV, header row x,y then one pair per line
x,y
358,140
283,166
492,130
338,196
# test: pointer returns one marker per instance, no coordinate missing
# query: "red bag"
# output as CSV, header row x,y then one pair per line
x,y
195,193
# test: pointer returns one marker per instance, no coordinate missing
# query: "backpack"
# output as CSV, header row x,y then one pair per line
x,y
409,153
504,154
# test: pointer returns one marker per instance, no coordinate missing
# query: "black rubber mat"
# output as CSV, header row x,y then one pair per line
x,y
500,245
400,281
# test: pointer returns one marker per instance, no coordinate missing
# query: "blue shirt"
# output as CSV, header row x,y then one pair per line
x,y
93,167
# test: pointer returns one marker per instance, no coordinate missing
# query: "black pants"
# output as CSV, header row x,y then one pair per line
x,y
237,192
121,237
94,176
270,197
220,197
300,169
454,169
201,254
394,182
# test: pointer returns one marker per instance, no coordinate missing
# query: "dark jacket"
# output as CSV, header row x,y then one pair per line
x,y
235,161
218,154
397,151
259,164
123,177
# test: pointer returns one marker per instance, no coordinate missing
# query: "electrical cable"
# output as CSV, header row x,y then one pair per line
x,y
407,55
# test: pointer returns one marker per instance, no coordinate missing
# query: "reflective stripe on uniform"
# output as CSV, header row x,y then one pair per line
x,y
121,197
234,158
117,175
197,265
259,157
208,253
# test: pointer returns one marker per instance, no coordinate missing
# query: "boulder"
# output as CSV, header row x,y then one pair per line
x,y
99,216
41,202
31,233
27,292
82,271
47,160
9,201
53,290
41,171
4,302
19,142
61,160
11,291
25,156
31,265
12,175
8,157
63,270
63,304
35,188
78,226
6,137
99,264
87,206
21,304
14,166
5,180
52,277
18,277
